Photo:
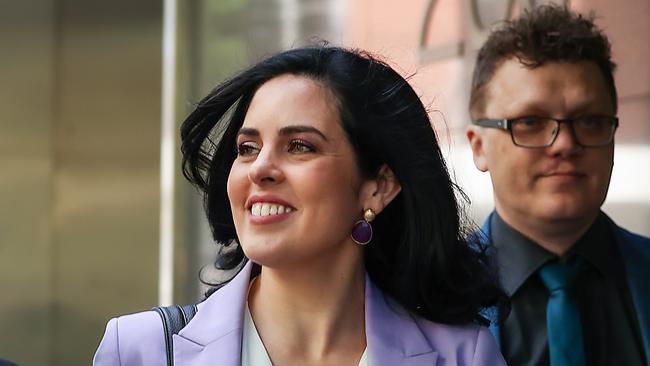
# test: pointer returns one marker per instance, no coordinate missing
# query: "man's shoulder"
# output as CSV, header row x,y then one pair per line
x,y
631,236
631,244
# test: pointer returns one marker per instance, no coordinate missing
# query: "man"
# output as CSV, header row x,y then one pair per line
x,y
543,104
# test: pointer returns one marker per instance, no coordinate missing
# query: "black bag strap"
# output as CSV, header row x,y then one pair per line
x,y
174,318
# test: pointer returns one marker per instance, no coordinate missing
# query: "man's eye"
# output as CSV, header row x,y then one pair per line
x,y
247,149
592,123
300,147
529,123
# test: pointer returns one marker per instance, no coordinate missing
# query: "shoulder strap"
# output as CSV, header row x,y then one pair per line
x,y
174,318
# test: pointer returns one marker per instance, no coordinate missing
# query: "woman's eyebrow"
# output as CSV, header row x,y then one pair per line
x,y
248,132
288,130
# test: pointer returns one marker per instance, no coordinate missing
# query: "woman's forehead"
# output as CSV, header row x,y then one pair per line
x,y
288,100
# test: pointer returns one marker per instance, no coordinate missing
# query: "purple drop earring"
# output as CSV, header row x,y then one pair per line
x,y
362,230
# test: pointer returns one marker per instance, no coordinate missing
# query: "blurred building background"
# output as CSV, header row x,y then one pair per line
x,y
84,154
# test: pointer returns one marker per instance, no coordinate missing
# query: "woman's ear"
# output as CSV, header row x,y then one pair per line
x,y
378,192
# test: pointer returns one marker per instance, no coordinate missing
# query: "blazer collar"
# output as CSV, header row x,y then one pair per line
x,y
214,335
392,334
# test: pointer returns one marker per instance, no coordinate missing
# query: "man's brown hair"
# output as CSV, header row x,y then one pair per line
x,y
548,33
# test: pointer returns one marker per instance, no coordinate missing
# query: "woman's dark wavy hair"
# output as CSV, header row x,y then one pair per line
x,y
418,255
547,33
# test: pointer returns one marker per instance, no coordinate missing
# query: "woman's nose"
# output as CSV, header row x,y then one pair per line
x,y
265,170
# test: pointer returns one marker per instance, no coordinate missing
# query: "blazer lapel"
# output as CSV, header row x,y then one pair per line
x,y
484,237
636,255
214,335
392,335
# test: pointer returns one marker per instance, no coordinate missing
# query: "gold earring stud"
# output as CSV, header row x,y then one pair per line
x,y
369,215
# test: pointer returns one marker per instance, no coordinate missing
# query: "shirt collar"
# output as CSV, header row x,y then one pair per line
x,y
519,257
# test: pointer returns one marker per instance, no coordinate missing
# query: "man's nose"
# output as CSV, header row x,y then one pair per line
x,y
566,142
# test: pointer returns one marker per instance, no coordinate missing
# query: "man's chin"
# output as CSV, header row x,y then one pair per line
x,y
567,211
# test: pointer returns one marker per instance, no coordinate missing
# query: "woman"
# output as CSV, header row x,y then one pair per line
x,y
321,173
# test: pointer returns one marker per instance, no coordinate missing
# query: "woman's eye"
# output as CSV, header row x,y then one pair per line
x,y
246,149
300,147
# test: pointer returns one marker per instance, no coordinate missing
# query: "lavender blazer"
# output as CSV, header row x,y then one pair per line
x,y
214,335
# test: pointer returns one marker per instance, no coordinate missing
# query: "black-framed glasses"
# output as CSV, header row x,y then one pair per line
x,y
588,131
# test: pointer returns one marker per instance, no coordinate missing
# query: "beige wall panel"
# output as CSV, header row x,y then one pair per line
x,y
106,179
25,125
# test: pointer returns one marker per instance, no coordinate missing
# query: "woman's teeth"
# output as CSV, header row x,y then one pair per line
x,y
266,209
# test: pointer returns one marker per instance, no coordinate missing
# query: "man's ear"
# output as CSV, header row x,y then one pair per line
x,y
378,192
476,137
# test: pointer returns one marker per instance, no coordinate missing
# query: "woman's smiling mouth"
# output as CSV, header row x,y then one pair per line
x,y
269,209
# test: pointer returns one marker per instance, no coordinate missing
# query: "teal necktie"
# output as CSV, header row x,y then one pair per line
x,y
563,325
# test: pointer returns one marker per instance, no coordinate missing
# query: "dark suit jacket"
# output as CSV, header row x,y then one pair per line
x,y
635,250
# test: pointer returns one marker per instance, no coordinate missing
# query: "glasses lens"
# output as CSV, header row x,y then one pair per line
x,y
595,130
533,131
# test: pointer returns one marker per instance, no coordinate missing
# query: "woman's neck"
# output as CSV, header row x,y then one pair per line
x,y
311,313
